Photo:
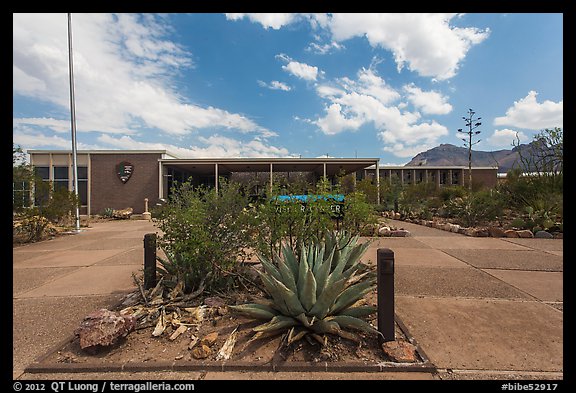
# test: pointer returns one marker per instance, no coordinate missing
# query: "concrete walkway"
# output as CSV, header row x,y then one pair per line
x,y
481,308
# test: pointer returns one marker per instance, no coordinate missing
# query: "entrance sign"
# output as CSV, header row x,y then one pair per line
x,y
124,171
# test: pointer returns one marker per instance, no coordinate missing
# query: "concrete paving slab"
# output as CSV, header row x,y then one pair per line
x,y
112,243
26,279
398,242
69,258
509,259
453,282
130,257
556,305
469,243
134,234
559,253
482,334
36,331
539,244
92,280
19,255
542,285
59,243
425,257
332,376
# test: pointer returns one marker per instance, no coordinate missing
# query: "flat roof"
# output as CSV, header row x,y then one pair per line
x,y
35,151
395,167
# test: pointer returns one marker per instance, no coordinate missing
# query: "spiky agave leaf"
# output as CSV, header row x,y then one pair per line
x,y
254,310
317,292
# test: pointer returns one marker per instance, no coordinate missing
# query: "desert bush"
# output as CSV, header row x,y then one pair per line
x,y
475,208
205,234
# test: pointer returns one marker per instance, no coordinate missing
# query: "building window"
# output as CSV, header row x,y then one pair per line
x,y
60,178
455,177
83,185
42,190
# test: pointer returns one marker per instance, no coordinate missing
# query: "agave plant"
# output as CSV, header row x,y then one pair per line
x,y
316,293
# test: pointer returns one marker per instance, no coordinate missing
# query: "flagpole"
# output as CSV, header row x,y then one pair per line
x,y
73,121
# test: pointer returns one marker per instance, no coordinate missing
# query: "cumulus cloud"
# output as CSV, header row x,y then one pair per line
x,y
353,103
424,43
506,137
275,85
529,114
215,146
430,102
301,70
123,70
274,21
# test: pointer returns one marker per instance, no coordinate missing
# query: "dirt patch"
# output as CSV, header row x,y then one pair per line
x,y
141,347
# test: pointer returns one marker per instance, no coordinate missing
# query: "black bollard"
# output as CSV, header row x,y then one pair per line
x,y
385,288
149,260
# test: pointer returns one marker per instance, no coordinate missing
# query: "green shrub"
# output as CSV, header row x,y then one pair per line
x,y
205,234
475,208
518,223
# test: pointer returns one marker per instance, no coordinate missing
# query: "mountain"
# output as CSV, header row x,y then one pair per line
x,y
450,155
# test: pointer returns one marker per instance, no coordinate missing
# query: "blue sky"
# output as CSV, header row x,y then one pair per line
x,y
286,85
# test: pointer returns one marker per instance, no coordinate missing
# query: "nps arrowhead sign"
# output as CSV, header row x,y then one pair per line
x,y
124,171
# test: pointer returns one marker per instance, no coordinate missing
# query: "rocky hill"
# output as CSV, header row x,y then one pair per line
x,y
447,155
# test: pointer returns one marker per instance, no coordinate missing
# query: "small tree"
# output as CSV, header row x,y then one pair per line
x,y
472,124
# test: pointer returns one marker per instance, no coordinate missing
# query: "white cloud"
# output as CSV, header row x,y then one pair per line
x,y
401,150
369,100
301,70
426,43
275,85
430,102
505,138
324,49
529,114
274,21
123,70
215,146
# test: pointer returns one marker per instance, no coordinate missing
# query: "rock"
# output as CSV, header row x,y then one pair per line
x,y
181,329
543,235
384,231
482,232
559,235
122,214
400,233
104,328
400,351
396,216
447,227
178,357
455,228
462,230
209,339
511,233
525,234
214,301
222,311
201,352
496,232
470,231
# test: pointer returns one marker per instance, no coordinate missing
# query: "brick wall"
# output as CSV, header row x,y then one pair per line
x,y
484,178
108,191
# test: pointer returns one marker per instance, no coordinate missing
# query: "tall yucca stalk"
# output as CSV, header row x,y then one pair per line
x,y
316,292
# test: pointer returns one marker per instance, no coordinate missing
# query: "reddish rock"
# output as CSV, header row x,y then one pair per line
x,y
496,232
104,328
482,232
400,351
209,339
511,233
201,352
525,234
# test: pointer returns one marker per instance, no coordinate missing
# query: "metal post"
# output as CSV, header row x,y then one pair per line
x,y
73,120
385,288
149,260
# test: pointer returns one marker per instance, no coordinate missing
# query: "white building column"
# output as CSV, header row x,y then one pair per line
x,y
216,177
